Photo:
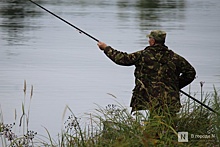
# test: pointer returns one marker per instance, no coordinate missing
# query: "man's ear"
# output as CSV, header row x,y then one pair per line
x,y
153,41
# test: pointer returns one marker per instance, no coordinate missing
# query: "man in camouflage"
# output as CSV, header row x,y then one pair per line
x,y
159,74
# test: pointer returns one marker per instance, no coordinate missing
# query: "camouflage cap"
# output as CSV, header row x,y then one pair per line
x,y
157,35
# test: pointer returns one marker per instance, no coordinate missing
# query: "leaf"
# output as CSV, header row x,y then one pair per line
x,y
112,95
23,111
50,138
25,87
15,114
32,89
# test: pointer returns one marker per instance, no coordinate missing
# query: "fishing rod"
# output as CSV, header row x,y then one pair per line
x,y
80,31
200,102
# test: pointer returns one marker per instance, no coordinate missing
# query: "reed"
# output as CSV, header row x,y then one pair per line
x,y
9,135
114,126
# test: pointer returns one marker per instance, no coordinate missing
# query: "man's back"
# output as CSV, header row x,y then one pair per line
x,y
157,77
159,74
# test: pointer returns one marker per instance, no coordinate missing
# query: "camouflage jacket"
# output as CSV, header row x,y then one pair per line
x,y
159,75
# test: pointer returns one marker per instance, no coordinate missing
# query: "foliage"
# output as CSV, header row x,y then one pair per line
x,y
114,126
118,128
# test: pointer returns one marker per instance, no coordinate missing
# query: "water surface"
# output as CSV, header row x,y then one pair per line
x,y
67,68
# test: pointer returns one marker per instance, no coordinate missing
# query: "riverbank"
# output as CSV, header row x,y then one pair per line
x,y
113,125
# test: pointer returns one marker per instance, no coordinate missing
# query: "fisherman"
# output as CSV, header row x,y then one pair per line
x,y
159,74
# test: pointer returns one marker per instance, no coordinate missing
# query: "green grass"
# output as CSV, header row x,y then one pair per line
x,y
114,126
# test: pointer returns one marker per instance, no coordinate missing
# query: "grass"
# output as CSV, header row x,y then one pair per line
x,y
114,126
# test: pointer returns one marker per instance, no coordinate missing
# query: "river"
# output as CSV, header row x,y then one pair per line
x,y
67,68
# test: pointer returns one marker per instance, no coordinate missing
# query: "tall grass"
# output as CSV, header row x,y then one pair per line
x,y
114,126
13,138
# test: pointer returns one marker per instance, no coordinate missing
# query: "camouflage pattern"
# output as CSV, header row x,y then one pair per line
x,y
159,75
157,35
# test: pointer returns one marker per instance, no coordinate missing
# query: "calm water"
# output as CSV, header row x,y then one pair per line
x,y
67,68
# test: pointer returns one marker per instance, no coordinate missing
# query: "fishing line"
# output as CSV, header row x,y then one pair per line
x,y
80,31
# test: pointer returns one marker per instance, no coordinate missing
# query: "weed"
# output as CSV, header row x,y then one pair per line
x,y
114,126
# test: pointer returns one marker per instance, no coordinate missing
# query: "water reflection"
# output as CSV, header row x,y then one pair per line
x,y
153,14
15,23
150,12
64,69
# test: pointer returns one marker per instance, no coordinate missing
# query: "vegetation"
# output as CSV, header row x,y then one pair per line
x,y
114,126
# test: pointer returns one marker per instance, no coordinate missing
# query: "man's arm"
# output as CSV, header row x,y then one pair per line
x,y
188,73
120,58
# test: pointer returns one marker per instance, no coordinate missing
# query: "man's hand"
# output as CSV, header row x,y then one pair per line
x,y
102,45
